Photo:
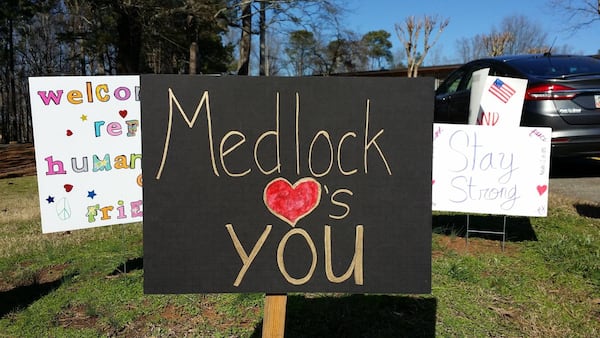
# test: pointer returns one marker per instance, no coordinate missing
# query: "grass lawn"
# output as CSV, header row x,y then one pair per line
x,y
89,283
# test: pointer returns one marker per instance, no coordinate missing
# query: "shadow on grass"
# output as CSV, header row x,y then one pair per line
x,y
518,228
128,266
588,210
359,316
22,296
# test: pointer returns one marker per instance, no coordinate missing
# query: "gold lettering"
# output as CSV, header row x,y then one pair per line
x,y
326,135
343,205
246,259
75,97
357,261
222,153
105,211
99,89
88,89
203,101
120,162
275,133
339,154
373,142
281,263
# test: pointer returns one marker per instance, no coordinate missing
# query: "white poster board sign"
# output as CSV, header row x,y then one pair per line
x,y
496,100
481,169
87,137
477,82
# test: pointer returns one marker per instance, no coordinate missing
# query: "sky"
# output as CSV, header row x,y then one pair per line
x,y
467,19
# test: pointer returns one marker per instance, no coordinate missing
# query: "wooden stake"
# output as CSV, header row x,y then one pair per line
x,y
274,316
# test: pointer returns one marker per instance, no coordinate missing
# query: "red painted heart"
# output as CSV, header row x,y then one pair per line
x,y
68,187
69,132
292,202
123,113
542,189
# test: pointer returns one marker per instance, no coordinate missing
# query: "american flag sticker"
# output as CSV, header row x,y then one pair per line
x,y
501,90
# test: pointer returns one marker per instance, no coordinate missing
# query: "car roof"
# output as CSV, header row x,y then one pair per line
x,y
542,66
508,58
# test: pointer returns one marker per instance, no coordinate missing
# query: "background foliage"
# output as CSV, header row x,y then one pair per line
x,y
295,37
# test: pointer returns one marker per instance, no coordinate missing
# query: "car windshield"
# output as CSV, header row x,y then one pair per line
x,y
557,66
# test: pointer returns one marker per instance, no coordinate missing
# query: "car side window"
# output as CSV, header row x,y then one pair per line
x,y
451,85
500,71
468,77
468,81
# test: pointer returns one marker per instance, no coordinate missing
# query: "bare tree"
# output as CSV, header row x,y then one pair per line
x,y
496,43
581,13
263,52
273,15
517,35
273,62
302,51
315,16
471,48
525,35
410,36
246,40
347,54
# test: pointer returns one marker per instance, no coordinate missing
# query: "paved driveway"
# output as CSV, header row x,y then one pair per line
x,y
577,178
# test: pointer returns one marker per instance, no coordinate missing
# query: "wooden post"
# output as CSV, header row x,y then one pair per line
x,y
274,316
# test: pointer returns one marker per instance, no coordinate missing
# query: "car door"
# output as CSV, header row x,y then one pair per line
x,y
453,97
446,96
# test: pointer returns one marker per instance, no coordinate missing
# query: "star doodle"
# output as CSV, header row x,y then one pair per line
x,y
50,199
91,194
83,117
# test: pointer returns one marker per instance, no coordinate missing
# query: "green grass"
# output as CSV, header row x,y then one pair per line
x,y
545,284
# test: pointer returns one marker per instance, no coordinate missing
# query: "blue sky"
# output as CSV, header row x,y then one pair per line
x,y
467,19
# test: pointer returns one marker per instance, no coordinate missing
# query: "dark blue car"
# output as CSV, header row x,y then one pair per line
x,y
563,93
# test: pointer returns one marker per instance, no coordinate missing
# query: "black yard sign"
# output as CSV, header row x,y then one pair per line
x,y
287,184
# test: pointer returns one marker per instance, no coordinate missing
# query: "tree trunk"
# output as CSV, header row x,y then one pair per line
x,y
13,127
129,41
246,40
263,68
193,58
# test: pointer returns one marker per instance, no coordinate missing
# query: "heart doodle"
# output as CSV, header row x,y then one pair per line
x,y
123,113
69,132
542,189
68,187
290,202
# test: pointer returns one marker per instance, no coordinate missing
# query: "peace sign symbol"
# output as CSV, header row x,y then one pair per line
x,y
63,209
